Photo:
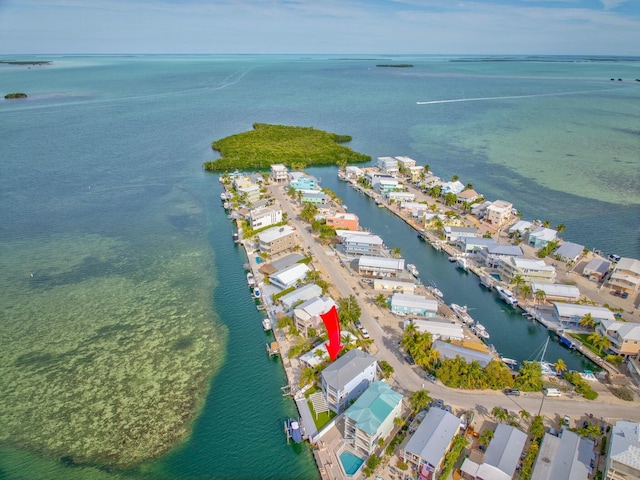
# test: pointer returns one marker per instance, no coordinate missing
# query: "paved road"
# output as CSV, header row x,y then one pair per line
x,y
407,378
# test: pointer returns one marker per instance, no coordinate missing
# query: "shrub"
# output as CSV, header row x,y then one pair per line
x,y
402,465
623,393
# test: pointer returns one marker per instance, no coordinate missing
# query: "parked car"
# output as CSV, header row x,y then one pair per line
x,y
410,360
431,378
567,420
439,403
358,324
512,391
365,334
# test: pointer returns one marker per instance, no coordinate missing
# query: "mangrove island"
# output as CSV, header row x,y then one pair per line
x,y
11,96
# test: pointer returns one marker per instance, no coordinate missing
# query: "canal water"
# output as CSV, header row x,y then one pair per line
x,y
512,334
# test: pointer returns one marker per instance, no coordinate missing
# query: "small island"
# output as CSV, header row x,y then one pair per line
x,y
268,144
11,96
395,65
26,62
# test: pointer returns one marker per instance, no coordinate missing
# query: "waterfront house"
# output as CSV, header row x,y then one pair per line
x,y
475,244
385,185
370,418
307,314
428,445
388,165
264,217
346,221
380,266
564,458
353,173
300,295
347,378
624,336
315,197
318,354
405,162
360,243
623,454
277,239
439,328
570,314
541,236
452,350
498,213
492,255
415,173
289,276
387,284
431,180
529,269
596,269
569,252
302,181
521,227
625,276
468,196
279,173
401,197
250,192
479,210
455,187
557,291
416,209
501,458
453,233
406,304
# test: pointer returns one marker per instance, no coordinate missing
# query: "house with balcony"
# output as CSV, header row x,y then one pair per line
x,y
344,380
307,314
501,458
353,173
277,239
388,165
249,192
315,197
299,295
302,181
625,276
389,285
264,217
380,267
406,304
400,197
475,245
596,269
570,314
415,173
498,213
541,236
370,418
343,221
452,233
564,458
279,173
624,336
360,243
456,187
405,162
529,269
429,444
385,186
623,454
493,255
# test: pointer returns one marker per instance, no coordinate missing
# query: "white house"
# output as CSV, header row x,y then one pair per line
x,y
405,162
265,216
541,236
494,254
279,172
347,378
401,196
380,266
307,314
360,243
413,305
455,187
371,417
318,354
498,213
521,226
453,233
557,291
569,251
529,269
565,458
623,455
299,295
388,165
439,328
501,458
570,314
289,276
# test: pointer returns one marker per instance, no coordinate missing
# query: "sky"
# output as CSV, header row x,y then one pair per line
x,y
561,27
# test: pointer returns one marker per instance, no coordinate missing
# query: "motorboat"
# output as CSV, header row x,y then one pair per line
x,y
462,263
433,288
507,296
266,324
480,331
411,268
251,281
256,292
294,430
462,313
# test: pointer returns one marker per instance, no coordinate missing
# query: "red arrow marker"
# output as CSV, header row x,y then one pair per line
x,y
332,323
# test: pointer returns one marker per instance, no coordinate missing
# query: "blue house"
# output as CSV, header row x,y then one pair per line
x,y
301,181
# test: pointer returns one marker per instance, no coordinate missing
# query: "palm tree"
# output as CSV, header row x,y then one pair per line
x,y
524,415
469,186
546,224
540,296
419,399
455,178
500,414
396,252
485,437
561,366
526,290
380,300
560,228
517,282
588,321
312,276
307,376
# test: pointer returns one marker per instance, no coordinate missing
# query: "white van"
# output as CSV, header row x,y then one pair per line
x,y
552,392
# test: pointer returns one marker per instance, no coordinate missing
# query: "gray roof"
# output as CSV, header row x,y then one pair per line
x,y
580,310
501,249
569,250
478,241
287,260
565,458
505,448
599,265
625,443
303,293
347,367
556,289
433,436
448,350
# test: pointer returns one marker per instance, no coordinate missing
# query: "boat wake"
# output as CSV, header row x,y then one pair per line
x,y
506,97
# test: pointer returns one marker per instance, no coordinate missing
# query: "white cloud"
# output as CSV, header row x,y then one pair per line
x,y
611,4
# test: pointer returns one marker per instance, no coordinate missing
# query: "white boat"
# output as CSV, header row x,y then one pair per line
x,y
225,196
266,324
453,259
480,331
547,368
435,290
251,281
461,262
507,296
411,268
510,362
461,312
256,292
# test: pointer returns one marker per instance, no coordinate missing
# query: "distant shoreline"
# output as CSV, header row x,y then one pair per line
x,y
27,62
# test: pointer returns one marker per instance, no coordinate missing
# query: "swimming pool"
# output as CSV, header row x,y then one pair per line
x,y
350,463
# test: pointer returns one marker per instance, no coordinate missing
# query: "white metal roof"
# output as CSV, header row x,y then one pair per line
x,y
291,274
381,262
556,289
579,310
274,233
413,301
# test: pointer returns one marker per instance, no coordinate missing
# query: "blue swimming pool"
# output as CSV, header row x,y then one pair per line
x,y
350,463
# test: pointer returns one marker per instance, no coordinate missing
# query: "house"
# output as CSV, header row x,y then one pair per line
x,y
417,209
380,267
596,269
521,227
452,350
625,276
264,217
302,181
401,197
475,244
454,187
315,197
346,221
405,162
529,269
250,192
353,173
563,458
290,276
624,336
415,173
623,455
386,284
347,378
361,243
384,185
541,236
498,252
279,173
570,314
413,305
277,239
318,354
453,233
388,165
498,213
307,314
557,291
300,295
428,445
370,418
569,251
501,458
431,180
480,209
439,328
468,196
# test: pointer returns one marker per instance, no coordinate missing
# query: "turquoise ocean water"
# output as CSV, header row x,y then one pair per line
x,y
118,273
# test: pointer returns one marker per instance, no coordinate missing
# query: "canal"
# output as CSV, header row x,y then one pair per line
x,y
512,334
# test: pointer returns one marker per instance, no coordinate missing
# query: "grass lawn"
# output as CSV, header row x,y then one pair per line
x,y
583,337
321,419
